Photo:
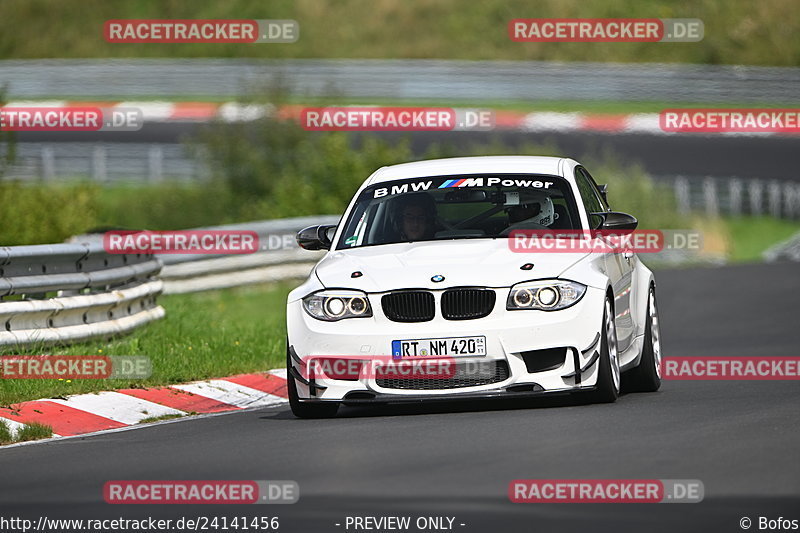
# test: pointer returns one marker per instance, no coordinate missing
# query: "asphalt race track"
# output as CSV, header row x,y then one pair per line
x,y
740,438
765,157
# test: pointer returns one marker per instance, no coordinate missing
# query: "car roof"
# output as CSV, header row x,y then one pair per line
x,y
516,164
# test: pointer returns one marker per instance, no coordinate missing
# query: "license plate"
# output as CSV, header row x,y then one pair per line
x,y
445,347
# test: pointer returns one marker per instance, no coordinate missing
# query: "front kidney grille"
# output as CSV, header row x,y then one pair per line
x,y
467,374
408,306
467,304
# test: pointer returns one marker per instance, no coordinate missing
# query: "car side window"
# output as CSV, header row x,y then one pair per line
x,y
603,201
589,196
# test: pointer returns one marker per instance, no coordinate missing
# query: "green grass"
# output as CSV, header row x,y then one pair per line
x,y
5,433
736,32
523,106
528,106
204,335
749,237
151,419
33,431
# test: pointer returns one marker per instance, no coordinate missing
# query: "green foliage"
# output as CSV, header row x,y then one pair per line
x,y
632,191
736,32
275,169
165,206
40,214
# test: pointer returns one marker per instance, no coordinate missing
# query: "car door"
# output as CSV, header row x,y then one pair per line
x,y
617,262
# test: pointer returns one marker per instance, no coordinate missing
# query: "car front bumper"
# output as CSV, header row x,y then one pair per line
x,y
512,338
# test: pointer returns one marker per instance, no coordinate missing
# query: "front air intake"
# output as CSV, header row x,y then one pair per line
x,y
408,306
467,304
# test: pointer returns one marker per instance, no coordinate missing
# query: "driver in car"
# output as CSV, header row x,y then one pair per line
x,y
417,215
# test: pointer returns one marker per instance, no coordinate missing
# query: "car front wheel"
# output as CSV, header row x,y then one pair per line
x,y
646,377
608,378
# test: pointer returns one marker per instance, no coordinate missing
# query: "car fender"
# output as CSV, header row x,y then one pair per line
x,y
312,284
642,279
590,271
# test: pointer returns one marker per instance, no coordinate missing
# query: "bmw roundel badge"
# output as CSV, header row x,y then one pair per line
x,y
437,278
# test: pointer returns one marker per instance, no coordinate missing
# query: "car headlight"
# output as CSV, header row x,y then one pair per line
x,y
545,295
333,305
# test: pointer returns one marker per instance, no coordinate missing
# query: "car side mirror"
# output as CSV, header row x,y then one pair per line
x,y
316,237
613,220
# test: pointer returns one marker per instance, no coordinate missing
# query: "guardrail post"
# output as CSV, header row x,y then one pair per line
x,y
682,195
775,199
789,200
755,189
155,163
796,202
48,163
710,197
99,172
735,196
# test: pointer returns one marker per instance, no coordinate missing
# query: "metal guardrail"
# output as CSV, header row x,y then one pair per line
x,y
71,292
735,196
60,293
280,258
105,162
399,79
788,250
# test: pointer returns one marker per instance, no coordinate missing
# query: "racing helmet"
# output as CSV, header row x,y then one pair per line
x,y
536,208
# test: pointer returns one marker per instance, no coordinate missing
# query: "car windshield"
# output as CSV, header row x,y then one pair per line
x,y
458,207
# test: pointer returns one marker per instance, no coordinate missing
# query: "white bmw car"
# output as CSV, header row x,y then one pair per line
x,y
421,295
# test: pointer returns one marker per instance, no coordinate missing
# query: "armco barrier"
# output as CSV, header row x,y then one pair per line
x,y
64,293
399,79
60,293
279,258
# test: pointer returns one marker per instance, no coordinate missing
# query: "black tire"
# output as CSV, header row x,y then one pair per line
x,y
606,390
305,409
646,376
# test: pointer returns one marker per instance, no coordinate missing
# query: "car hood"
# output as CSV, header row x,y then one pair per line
x,y
478,262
